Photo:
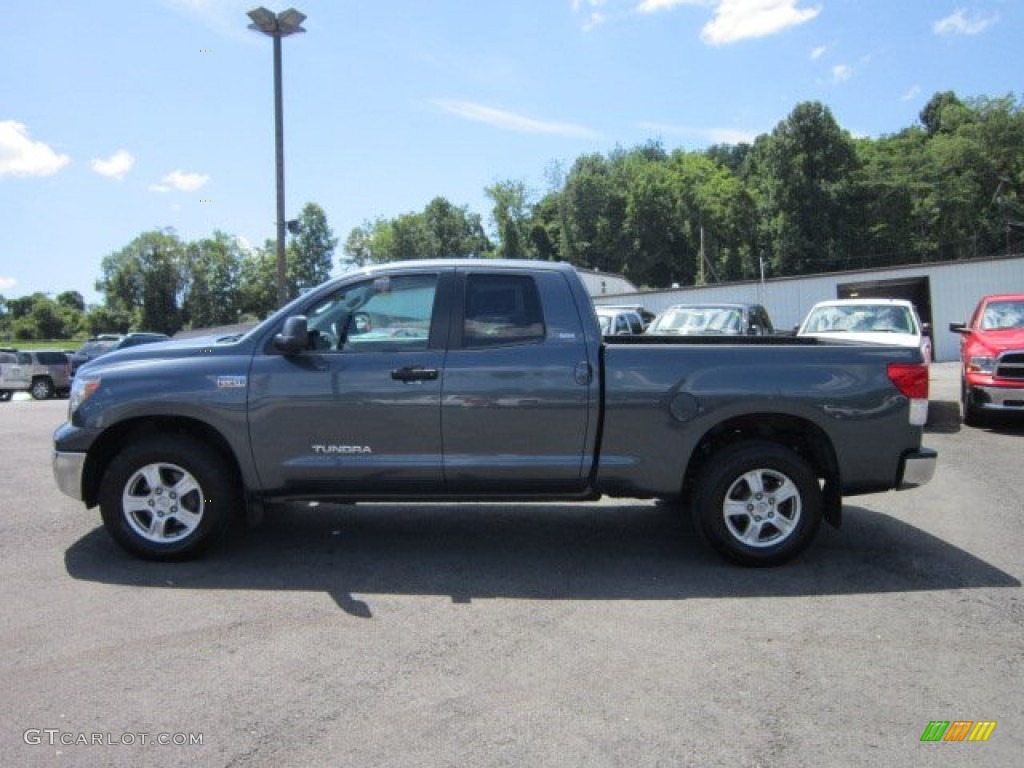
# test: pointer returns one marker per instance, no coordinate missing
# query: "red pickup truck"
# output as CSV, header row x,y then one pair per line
x,y
992,357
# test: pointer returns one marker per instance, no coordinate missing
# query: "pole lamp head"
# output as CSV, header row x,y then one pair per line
x,y
280,25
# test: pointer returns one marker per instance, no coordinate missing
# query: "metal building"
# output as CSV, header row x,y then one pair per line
x,y
943,293
605,283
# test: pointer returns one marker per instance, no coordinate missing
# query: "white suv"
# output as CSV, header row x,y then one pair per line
x,y
619,322
880,321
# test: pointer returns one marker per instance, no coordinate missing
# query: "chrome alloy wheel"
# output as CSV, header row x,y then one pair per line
x,y
162,502
762,508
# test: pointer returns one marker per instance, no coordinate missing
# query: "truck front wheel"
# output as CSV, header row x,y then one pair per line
x,y
167,497
758,503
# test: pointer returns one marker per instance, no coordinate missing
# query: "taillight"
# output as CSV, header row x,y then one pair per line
x,y
912,380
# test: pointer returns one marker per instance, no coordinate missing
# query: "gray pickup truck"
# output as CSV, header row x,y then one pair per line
x,y
478,380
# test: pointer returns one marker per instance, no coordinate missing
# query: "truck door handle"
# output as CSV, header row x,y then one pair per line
x,y
414,373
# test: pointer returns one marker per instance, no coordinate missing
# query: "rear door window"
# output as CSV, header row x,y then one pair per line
x,y
501,309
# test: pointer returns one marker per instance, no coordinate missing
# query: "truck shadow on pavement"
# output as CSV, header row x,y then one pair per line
x,y
944,417
628,551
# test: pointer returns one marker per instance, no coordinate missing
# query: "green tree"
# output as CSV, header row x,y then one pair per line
x,y
511,215
212,281
358,246
440,230
257,282
593,215
145,279
311,251
72,300
104,319
805,169
458,232
545,227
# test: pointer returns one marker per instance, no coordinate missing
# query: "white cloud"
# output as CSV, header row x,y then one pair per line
x,y
20,156
653,6
6,283
818,52
912,93
841,73
958,23
510,121
730,136
711,135
115,166
180,181
737,20
596,20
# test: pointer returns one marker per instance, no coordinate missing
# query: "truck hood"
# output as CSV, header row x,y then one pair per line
x,y
165,350
1000,340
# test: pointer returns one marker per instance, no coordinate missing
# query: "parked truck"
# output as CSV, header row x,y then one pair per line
x,y
481,380
992,358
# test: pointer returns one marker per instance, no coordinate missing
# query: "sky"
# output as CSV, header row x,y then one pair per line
x,y
119,117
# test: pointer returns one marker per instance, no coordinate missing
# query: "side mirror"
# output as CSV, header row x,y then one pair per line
x,y
294,337
958,328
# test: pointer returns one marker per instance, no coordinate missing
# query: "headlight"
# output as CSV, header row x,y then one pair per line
x,y
82,387
981,364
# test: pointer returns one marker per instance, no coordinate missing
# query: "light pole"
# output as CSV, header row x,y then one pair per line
x,y
277,26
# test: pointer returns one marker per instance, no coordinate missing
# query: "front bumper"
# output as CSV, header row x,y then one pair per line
x,y
918,468
67,471
989,398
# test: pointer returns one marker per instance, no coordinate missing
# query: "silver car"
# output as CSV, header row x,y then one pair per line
x,y
13,376
48,372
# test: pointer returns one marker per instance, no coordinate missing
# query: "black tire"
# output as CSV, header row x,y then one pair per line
x,y
168,497
41,388
5,395
757,503
973,416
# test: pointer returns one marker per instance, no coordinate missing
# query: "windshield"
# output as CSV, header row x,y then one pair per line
x,y
861,318
699,320
1003,315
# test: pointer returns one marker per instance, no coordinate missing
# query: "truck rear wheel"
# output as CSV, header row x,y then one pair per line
x,y
167,497
758,503
41,389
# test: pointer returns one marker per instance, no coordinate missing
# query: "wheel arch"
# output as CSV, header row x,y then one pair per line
x,y
800,435
110,443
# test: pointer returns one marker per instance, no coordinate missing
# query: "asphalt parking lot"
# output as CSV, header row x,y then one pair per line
x,y
518,635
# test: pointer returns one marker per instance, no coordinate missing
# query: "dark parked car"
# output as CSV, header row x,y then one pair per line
x,y
91,350
730,319
109,342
